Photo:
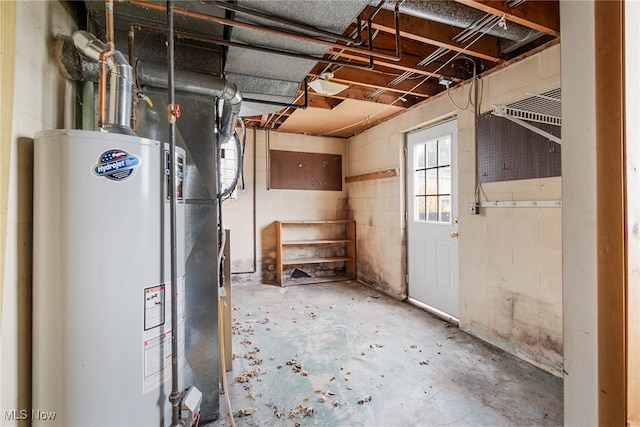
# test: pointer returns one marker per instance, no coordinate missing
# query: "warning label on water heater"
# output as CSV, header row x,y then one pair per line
x,y
157,334
116,165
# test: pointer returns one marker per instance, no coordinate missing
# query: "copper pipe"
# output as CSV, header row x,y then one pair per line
x,y
273,31
108,6
134,92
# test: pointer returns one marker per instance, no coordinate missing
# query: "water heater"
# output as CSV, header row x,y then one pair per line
x,y
102,282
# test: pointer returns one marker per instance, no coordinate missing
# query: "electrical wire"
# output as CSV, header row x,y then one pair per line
x,y
416,86
472,87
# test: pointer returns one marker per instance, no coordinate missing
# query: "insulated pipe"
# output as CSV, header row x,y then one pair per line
x,y
174,396
120,79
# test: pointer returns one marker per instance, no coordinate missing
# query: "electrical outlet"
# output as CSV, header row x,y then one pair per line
x,y
474,208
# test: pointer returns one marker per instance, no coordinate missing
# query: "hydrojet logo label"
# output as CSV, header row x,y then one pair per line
x,y
116,165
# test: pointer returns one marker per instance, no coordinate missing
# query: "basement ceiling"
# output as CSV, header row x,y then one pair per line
x,y
389,55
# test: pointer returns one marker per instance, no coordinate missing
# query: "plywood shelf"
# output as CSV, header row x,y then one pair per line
x,y
314,242
322,221
315,260
307,237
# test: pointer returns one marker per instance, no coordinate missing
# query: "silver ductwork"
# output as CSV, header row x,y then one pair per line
x,y
120,79
199,84
148,75
461,16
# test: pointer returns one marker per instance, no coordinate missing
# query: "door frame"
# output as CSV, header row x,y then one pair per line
x,y
432,310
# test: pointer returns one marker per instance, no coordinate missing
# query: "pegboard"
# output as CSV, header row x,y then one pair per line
x,y
508,151
296,170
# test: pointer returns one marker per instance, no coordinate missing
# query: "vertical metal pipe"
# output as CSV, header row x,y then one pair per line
x,y
174,397
134,92
108,4
102,82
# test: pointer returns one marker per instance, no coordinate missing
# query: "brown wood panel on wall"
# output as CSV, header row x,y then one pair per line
x,y
295,170
611,214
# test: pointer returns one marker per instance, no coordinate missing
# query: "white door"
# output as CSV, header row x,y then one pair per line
x,y
432,225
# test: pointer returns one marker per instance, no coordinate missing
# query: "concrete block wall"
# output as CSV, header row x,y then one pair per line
x,y
273,205
42,100
510,289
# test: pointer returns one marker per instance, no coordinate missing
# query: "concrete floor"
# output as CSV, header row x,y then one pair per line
x,y
342,354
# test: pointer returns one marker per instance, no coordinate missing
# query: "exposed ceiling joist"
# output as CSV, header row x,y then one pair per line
x,y
363,94
377,81
404,64
540,15
437,34
268,49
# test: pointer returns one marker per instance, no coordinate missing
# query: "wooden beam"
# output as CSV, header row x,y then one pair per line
x,y
324,102
375,80
413,52
402,65
540,15
611,213
372,175
360,93
437,34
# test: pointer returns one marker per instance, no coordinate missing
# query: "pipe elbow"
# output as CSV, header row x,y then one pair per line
x,y
118,65
231,108
88,44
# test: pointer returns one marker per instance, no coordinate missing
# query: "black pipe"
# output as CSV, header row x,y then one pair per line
x,y
293,24
174,397
223,42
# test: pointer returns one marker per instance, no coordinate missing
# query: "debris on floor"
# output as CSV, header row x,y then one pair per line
x,y
245,412
351,355
363,400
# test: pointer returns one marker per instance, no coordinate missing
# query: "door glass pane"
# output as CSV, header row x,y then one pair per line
x,y
421,209
432,208
444,151
445,208
419,156
444,180
432,181
432,153
420,182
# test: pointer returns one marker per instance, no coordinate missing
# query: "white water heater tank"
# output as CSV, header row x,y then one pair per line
x,y
101,280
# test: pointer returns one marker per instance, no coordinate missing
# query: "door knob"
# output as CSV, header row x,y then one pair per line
x,y
454,234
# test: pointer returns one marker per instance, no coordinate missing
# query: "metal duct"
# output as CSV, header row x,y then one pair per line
x,y
200,84
156,76
120,80
459,15
259,75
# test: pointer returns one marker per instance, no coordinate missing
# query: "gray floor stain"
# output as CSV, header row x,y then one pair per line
x,y
341,354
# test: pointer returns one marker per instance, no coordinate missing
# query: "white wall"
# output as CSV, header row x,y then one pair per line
x,y
272,205
579,214
39,103
632,64
510,259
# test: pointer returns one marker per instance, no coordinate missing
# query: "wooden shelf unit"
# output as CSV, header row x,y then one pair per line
x,y
346,241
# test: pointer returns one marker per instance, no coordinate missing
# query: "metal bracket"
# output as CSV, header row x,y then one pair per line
x,y
543,108
505,111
